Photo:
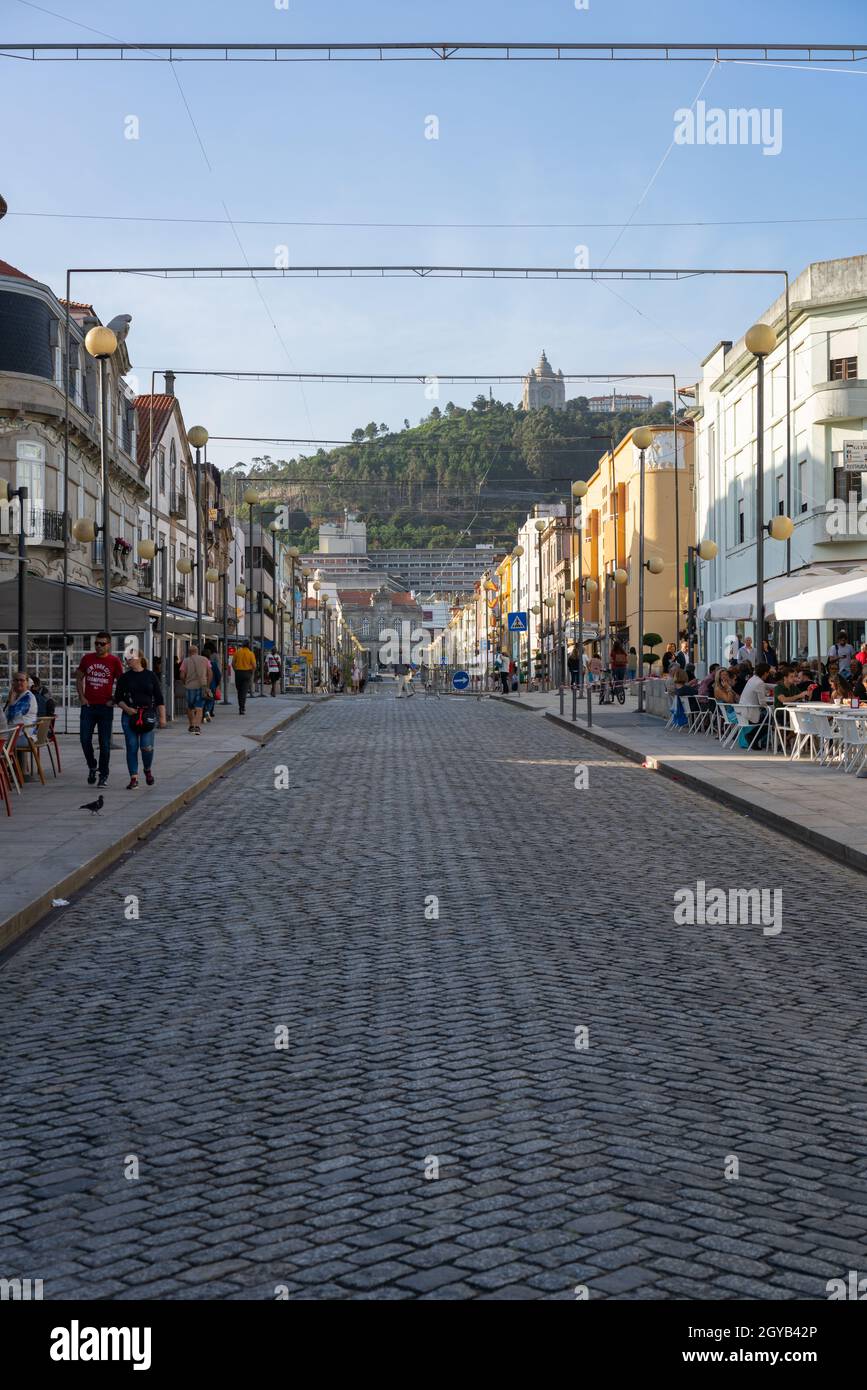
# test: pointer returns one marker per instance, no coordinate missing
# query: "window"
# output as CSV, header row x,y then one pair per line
x,y
30,473
781,494
847,482
803,484
741,522
162,467
843,369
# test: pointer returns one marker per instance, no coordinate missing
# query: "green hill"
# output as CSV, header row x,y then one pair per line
x,y
461,476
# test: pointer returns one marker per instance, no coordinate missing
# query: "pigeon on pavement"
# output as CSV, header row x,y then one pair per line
x,y
94,807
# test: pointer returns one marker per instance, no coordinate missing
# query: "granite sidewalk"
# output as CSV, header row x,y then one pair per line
x,y
52,848
819,806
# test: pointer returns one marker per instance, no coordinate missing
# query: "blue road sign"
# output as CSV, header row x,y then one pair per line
x,y
518,622
460,680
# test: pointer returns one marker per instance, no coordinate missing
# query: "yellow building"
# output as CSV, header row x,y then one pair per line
x,y
610,535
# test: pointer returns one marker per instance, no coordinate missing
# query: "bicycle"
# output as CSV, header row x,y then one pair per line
x,y
611,688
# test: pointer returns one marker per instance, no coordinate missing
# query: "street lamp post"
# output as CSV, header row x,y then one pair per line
x,y
642,438
706,550
198,438
540,525
101,343
518,552
251,497
579,490
760,340
148,549
9,494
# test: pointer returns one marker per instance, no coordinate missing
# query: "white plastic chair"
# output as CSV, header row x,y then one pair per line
x,y
853,744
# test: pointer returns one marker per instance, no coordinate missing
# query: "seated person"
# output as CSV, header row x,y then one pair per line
x,y
840,689
754,699
723,691
21,708
743,675
707,683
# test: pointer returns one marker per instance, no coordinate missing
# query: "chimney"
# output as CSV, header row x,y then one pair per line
x,y
170,383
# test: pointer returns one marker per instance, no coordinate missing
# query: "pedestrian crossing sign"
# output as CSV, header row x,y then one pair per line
x,y
517,622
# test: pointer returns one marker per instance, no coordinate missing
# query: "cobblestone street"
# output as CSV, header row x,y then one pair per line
x,y
430,1128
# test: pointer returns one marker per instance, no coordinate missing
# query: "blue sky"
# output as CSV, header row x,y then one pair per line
x,y
541,143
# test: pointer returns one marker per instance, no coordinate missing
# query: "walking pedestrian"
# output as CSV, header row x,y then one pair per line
x,y
632,667
274,668
140,697
502,661
210,654
98,673
196,676
244,664
573,664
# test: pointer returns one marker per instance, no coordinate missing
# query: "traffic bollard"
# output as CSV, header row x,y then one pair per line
x,y
562,697
574,703
589,707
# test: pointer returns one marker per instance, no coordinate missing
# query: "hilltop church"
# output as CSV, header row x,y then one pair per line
x,y
544,386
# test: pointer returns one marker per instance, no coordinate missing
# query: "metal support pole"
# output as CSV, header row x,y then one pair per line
x,y
574,703
760,505
103,473
541,614
581,601
22,579
691,556
168,676
589,706
199,549
224,682
641,573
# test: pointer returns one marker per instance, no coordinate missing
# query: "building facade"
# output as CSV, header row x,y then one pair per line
x,y
826,415
37,357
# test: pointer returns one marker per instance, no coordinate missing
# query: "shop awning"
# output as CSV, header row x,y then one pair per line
x,y
127,613
834,601
45,608
784,589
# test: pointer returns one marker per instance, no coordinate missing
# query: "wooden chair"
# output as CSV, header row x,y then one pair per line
x,y
9,761
53,745
46,738
5,788
31,747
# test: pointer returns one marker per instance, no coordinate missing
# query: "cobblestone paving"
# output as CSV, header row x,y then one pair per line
x,y
414,1043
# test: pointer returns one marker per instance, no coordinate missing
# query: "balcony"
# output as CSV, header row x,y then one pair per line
x,y
41,527
144,577
121,560
177,504
179,599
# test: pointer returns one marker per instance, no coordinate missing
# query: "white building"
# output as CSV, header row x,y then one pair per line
x,y
828,415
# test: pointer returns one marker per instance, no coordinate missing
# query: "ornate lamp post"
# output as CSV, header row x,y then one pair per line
x,y
517,553
197,438
579,491
540,525
7,495
706,550
101,343
761,340
252,499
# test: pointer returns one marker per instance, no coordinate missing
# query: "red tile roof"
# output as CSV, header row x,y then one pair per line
x,y
7,269
160,416
77,304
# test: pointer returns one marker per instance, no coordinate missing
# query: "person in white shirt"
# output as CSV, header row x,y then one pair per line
x,y
747,652
842,652
21,707
755,699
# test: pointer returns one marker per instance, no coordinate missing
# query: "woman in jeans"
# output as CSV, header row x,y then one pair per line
x,y
140,696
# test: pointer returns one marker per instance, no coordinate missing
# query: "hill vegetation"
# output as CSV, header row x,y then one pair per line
x,y
458,477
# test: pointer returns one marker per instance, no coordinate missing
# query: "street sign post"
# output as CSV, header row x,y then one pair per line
x,y
518,622
460,680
